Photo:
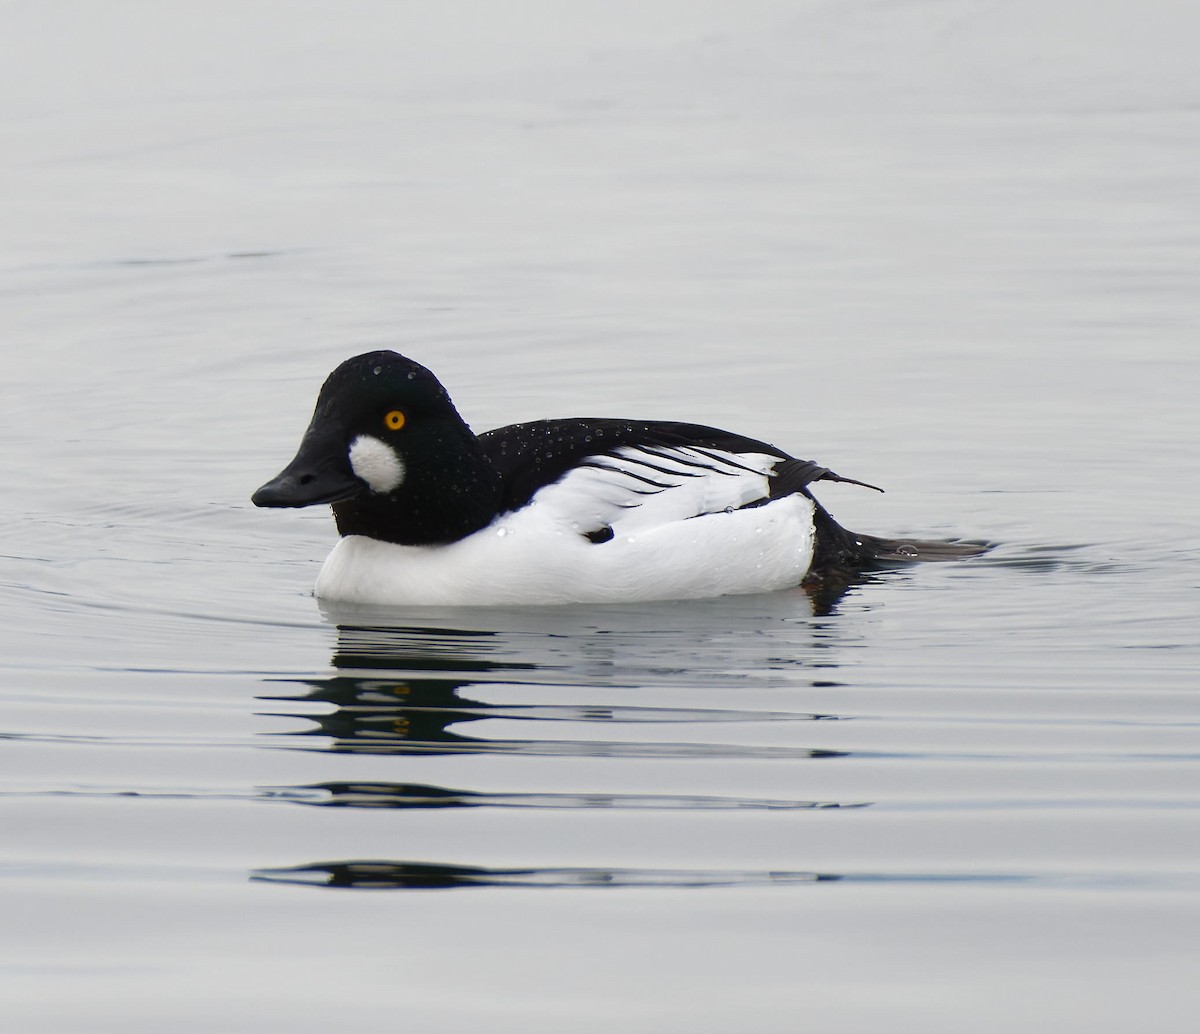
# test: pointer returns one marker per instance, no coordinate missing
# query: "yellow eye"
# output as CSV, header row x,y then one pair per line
x,y
394,420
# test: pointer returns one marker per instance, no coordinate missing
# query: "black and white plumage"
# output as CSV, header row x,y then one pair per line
x,y
554,511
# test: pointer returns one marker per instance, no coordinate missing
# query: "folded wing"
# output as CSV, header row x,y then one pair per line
x,y
610,475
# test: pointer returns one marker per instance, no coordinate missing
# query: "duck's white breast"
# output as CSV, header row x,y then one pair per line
x,y
539,555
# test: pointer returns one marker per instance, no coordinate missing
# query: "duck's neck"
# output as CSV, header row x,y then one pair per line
x,y
450,490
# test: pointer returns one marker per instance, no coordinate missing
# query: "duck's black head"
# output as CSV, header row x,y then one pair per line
x,y
388,450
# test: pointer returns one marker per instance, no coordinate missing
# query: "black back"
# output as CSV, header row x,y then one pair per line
x,y
532,455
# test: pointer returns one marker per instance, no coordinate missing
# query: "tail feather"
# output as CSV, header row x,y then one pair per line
x,y
841,552
883,550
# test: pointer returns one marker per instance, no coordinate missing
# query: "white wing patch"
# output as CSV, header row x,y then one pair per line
x,y
640,487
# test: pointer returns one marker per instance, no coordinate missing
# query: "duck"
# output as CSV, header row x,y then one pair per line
x,y
556,511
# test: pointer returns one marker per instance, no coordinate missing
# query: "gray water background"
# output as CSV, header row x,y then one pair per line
x,y
949,248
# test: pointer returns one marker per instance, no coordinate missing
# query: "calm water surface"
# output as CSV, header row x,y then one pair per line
x,y
945,248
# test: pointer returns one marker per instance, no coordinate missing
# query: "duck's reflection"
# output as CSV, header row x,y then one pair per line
x,y
420,795
406,875
384,716
374,715
398,875
686,682
415,688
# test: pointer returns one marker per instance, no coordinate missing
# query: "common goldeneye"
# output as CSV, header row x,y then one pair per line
x,y
555,511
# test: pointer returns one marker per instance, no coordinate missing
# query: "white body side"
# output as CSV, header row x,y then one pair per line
x,y
687,540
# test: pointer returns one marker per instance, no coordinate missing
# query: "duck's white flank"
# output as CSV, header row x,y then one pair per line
x,y
687,539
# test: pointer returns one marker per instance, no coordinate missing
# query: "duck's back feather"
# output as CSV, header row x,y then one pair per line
x,y
532,455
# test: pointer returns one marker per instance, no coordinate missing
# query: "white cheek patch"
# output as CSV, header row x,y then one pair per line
x,y
376,463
